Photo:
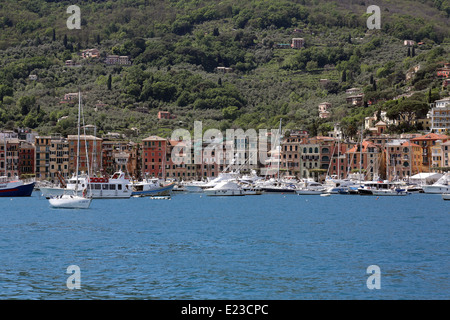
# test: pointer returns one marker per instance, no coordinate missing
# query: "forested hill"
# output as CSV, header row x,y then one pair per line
x,y
176,47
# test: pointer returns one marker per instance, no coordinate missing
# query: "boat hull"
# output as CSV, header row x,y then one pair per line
x,y
365,192
310,192
389,193
70,202
24,190
436,189
163,191
222,193
277,190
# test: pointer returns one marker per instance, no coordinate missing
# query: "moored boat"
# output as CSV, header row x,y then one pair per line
x,y
383,188
440,186
15,188
151,187
53,191
225,188
116,187
446,196
73,201
311,188
67,201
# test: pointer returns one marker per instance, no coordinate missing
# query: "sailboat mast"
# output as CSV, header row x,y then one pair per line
x,y
387,160
410,161
279,149
360,154
78,139
4,141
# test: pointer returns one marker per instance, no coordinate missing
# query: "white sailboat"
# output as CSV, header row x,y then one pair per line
x,y
73,201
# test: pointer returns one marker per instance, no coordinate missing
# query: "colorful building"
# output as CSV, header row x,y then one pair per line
x,y
367,157
154,154
426,142
88,160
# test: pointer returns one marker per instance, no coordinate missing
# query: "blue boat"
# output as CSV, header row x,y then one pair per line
x,y
16,188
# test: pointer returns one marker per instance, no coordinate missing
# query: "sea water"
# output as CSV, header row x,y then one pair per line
x,y
270,246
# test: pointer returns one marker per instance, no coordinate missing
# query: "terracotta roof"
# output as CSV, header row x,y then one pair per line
x,y
431,136
365,146
408,143
154,138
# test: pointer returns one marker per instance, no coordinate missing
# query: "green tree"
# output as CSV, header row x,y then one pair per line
x,y
407,111
344,76
25,104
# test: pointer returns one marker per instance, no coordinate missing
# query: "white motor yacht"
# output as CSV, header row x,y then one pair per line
x,y
440,186
225,188
311,188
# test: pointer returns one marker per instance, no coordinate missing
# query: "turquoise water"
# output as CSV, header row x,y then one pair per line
x,y
274,246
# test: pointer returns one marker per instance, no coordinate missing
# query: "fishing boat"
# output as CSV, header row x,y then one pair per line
x,y
225,188
15,188
73,201
151,187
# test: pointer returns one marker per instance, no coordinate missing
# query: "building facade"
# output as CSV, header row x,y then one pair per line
x,y
154,155
440,116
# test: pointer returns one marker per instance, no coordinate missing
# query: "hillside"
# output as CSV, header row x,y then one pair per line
x,y
175,48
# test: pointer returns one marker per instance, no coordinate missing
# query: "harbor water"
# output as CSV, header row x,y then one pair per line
x,y
270,246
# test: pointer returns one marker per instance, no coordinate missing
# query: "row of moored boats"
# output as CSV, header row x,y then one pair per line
x,y
81,189
233,184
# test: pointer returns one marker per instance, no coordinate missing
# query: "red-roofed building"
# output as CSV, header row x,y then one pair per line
x,y
444,71
403,159
165,115
426,142
369,156
154,153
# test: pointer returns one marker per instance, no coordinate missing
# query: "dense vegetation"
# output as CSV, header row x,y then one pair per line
x,y
176,46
